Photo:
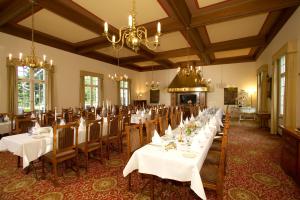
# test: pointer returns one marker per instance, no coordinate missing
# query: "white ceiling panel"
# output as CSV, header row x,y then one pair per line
x,y
171,41
52,24
116,12
232,53
235,29
184,58
124,52
204,3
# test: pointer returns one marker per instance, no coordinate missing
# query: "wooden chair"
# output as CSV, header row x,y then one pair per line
x,y
212,175
173,120
163,124
65,143
134,135
23,124
151,126
114,134
93,140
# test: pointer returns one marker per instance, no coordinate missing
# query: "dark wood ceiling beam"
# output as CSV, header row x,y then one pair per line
x,y
242,43
233,9
24,32
133,59
182,13
282,19
14,9
239,59
175,53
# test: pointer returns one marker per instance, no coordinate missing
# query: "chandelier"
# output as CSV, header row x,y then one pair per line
x,y
116,77
195,72
133,36
31,60
153,85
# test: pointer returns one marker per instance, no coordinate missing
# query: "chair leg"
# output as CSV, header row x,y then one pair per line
x,y
86,161
152,187
77,166
108,149
43,169
55,174
129,182
19,162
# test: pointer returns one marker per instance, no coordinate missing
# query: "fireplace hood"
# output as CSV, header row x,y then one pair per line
x,y
187,83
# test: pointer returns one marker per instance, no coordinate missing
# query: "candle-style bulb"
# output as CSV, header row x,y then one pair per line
x,y
158,28
105,27
44,57
113,39
51,62
10,56
20,56
130,21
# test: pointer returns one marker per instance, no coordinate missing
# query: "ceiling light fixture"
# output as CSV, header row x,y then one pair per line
x,y
116,77
133,36
31,60
153,85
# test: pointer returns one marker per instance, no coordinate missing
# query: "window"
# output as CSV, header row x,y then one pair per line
x,y
281,84
91,91
124,92
31,89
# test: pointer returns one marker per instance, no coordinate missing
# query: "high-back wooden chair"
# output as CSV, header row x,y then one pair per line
x,y
93,140
173,120
23,124
163,124
65,143
212,175
151,126
134,135
114,133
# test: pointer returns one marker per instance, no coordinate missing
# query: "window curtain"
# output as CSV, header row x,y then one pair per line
x,y
81,87
289,120
12,88
118,92
129,91
49,91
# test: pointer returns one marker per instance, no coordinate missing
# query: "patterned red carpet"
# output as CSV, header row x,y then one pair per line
x,y
253,172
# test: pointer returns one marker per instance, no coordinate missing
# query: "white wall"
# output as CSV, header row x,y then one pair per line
x,y
67,71
241,75
289,33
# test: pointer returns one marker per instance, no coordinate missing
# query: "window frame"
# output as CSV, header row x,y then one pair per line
x,y
32,81
122,91
92,86
281,98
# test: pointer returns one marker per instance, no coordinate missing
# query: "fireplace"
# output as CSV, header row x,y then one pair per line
x,y
187,98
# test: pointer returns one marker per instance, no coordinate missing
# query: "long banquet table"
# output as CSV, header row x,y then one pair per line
x,y
182,164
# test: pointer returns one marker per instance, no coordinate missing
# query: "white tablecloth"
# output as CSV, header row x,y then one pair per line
x,y
30,148
26,146
135,118
5,127
173,164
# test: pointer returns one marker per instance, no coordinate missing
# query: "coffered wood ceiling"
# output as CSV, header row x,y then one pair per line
x,y
204,32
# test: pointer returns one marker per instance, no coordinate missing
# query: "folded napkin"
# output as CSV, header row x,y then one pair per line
x,y
181,125
186,120
156,139
169,131
128,111
82,123
98,117
37,125
192,118
6,118
150,112
62,122
137,112
32,115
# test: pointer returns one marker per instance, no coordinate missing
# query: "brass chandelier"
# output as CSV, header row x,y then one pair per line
x,y
115,76
133,36
153,85
31,60
194,71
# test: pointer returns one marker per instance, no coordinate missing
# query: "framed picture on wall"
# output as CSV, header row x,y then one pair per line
x,y
230,96
154,96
